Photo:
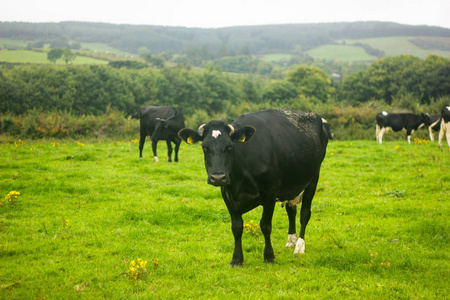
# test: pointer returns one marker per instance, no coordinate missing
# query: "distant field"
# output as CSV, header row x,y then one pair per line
x,y
10,43
394,46
28,56
276,57
340,52
102,48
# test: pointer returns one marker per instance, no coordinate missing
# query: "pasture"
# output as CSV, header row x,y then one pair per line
x,y
88,210
394,46
38,57
340,52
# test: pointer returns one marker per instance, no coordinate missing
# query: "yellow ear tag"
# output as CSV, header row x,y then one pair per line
x,y
190,141
242,139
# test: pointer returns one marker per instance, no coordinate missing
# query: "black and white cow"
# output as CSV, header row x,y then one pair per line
x,y
445,126
261,158
160,123
435,125
397,122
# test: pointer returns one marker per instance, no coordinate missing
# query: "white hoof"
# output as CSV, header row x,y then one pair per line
x,y
300,247
156,159
292,240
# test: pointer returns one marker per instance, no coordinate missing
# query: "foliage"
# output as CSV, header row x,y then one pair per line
x,y
311,82
87,209
392,77
225,41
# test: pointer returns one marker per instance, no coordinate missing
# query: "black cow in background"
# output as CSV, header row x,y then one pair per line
x,y
435,125
445,126
160,123
397,122
261,158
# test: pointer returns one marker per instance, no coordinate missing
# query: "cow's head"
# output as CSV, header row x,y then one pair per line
x,y
161,131
218,139
426,119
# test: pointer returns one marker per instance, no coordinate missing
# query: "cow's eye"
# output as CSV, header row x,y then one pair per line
x,y
228,149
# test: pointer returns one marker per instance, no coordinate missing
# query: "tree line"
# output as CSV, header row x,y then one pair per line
x,y
257,39
404,82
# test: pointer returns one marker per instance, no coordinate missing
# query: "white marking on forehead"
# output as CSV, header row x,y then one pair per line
x,y
384,113
216,133
448,107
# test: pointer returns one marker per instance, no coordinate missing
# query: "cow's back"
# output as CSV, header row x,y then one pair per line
x,y
149,114
288,148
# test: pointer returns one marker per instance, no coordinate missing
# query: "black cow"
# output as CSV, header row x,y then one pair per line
x,y
160,123
397,122
435,125
445,126
261,158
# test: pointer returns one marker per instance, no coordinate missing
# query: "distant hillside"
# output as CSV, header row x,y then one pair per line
x,y
258,40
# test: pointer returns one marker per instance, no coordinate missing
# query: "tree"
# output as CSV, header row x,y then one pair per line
x,y
68,55
311,82
54,54
279,90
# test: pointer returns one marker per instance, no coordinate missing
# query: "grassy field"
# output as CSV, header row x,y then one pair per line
x,y
394,46
34,57
88,210
340,52
278,57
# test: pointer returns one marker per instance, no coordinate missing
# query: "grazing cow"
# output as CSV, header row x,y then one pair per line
x,y
160,123
435,125
445,126
261,158
397,122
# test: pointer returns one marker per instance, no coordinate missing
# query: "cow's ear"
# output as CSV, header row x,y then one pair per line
x,y
243,134
189,136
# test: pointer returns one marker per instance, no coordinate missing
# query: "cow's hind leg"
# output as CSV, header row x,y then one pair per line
x,y
155,153
292,233
169,150
305,213
177,147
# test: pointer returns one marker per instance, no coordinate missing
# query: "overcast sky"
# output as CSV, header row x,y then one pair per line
x,y
214,14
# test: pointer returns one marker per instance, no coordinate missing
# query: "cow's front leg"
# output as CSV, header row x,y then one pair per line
x,y
266,228
155,154
237,226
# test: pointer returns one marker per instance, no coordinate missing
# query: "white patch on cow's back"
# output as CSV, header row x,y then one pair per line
x,y
384,113
216,133
300,246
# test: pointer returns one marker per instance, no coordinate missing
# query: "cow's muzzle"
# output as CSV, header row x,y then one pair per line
x,y
218,179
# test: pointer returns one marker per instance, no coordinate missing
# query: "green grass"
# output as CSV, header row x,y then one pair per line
x,y
394,46
35,57
340,52
276,57
379,226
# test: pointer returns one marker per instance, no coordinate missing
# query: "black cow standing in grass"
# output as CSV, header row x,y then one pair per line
x,y
261,158
160,123
445,126
396,122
